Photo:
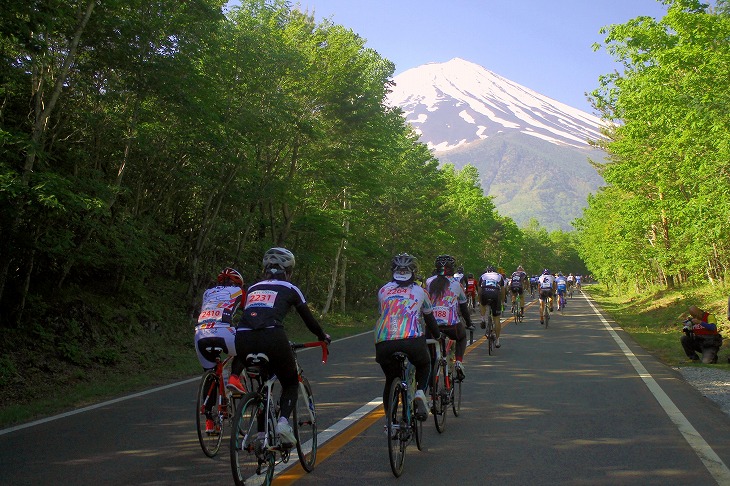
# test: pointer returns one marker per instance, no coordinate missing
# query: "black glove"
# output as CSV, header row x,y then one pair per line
x,y
327,339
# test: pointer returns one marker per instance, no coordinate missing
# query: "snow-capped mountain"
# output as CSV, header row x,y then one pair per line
x,y
458,102
531,151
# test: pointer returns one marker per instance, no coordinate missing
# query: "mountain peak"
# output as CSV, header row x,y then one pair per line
x,y
458,102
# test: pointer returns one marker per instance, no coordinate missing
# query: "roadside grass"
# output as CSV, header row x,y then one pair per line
x,y
654,319
147,361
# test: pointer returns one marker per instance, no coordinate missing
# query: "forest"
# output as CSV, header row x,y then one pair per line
x,y
663,218
146,145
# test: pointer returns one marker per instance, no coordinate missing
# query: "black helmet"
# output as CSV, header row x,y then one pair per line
x,y
444,262
490,268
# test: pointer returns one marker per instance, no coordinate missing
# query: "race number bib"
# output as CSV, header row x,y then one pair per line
x,y
261,298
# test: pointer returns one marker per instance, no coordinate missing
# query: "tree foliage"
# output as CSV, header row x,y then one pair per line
x,y
665,215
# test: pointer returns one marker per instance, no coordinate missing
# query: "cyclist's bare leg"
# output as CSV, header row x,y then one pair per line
x,y
497,326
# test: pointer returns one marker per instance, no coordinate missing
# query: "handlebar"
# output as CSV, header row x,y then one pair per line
x,y
313,344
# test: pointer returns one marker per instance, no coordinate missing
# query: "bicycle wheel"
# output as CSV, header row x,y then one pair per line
x,y
250,463
490,334
208,396
547,316
455,395
397,427
417,427
305,426
440,396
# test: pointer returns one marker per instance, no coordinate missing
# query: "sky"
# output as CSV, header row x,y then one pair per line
x,y
544,45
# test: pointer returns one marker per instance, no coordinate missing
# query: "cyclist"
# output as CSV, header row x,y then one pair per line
x,y
571,281
460,277
517,287
398,328
546,283
448,298
491,293
533,284
561,285
261,330
578,279
471,289
215,326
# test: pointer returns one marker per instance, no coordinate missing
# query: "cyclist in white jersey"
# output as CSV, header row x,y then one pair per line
x,y
546,284
492,293
215,325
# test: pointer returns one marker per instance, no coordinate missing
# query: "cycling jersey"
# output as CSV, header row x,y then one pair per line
x,y
219,305
517,279
490,280
471,286
562,284
446,307
400,308
268,302
546,282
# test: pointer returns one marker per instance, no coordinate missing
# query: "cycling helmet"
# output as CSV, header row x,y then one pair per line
x,y
560,274
546,272
490,268
520,269
231,274
404,267
444,262
278,259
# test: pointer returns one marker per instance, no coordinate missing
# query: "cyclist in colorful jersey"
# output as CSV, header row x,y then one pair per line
x,y
578,280
517,284
546,284
398,328
492,293
561,287
215,326
701,336
261,330
448,299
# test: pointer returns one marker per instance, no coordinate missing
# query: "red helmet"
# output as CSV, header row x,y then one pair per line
x,y
232,274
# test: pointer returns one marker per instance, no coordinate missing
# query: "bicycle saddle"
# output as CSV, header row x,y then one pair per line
x,y
256,363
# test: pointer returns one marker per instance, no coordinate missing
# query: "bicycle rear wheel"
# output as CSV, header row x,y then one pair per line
x,y
455,395
440,396
417,427
208,397
305,426
250,463
397,427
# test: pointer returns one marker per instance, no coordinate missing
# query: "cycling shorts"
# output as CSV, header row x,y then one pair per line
x,y
492,298
516,290
546,293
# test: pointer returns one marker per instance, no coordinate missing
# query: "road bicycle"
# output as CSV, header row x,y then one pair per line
x,y
570,291
489,332
546,312
561,302
445,387
402,425
254,445
215,402
517,312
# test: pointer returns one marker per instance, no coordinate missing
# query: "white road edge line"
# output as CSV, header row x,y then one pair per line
x,y
92,407
709,458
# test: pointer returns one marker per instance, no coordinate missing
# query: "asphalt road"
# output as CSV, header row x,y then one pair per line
x,y
578,403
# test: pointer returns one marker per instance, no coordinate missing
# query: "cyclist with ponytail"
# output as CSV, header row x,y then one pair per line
x,y
448,299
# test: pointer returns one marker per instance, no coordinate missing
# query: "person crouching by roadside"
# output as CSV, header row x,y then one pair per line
x,y
701,336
